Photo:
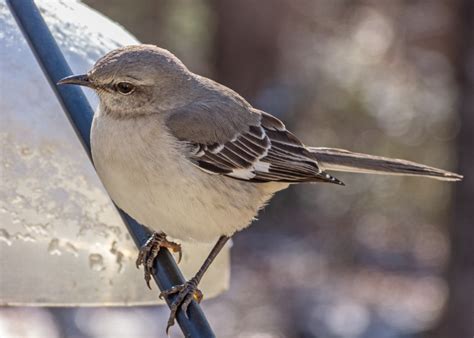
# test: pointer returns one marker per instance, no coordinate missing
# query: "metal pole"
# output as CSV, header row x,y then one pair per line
x,y
80,114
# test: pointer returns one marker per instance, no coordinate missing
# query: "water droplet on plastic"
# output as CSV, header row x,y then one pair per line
x,y
16,200
118,254
25,151
5,237
25,237
96,262
71,249
53,247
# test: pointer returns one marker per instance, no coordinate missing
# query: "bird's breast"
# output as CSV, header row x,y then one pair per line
x,y
147,174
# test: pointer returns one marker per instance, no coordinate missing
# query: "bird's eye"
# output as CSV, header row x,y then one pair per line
x,y
125,88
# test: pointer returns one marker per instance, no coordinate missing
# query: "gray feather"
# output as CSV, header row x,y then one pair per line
x,y
217,119
344,160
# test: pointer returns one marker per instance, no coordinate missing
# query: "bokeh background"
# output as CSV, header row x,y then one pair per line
x,y
382,257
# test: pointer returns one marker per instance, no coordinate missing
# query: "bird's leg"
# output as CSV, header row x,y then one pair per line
x,y
188,291
149,251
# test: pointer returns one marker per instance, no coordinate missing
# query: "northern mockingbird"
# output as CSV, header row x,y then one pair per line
x,y
190,158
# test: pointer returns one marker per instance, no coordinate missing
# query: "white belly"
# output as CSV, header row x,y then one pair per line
x,y
149,177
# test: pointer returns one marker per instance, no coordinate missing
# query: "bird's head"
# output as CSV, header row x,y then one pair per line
x,y
137,80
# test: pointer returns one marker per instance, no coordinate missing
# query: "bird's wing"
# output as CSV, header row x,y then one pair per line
x,y
257,148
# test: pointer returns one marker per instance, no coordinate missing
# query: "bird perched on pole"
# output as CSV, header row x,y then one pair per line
x,y
191,159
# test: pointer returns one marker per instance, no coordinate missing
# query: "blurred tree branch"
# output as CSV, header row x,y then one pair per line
x,y
247,37
458,317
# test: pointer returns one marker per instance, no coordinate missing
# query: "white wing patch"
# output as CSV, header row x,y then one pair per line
x,y
262,166
244,174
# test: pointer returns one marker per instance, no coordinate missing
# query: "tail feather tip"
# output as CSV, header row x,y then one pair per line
x,y
453,176
334,180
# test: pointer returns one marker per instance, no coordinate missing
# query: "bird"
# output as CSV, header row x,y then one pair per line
x,y
192,160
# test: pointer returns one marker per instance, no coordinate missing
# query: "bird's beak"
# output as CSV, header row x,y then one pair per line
x,y
79,80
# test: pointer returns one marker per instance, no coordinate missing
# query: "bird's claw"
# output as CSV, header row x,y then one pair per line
x,y
149,251
186,293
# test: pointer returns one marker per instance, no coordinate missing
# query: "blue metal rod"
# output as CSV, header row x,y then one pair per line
x,y
80,114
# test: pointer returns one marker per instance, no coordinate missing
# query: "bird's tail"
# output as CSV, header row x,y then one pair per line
x,y
343,160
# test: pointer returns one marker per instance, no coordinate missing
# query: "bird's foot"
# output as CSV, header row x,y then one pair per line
x,y
149,251
186,293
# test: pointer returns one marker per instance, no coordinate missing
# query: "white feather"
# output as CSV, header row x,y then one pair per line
x,y
263,167
245,174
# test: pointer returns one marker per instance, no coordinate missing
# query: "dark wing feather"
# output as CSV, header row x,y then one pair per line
x,y
265,152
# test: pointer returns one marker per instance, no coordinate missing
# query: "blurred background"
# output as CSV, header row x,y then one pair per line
x,y
382,257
